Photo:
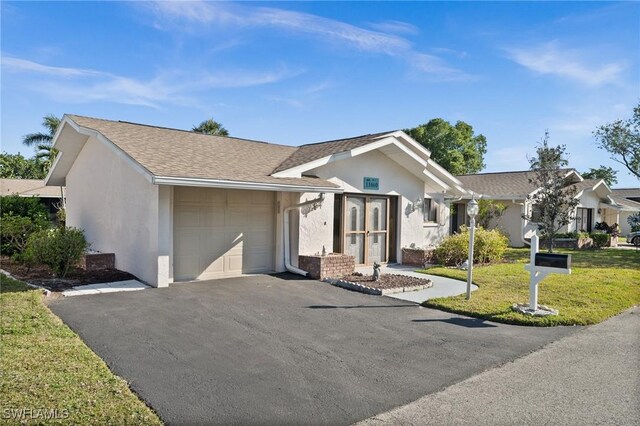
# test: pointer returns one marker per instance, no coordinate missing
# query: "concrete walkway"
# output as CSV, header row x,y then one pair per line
x,y
442,287
588,378
112,287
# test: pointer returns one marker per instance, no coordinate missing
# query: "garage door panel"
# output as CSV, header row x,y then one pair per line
x,y
219,233
212,217
237,217
261,218
261,197
184,267
187,195
257,238
187,216
234,263
212,265
187,242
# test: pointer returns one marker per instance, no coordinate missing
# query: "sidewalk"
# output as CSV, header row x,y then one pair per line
x,y
591,377
442,287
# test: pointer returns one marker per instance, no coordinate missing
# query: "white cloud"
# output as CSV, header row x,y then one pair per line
x,y
79,85
16,64
397,27
184,15
550,59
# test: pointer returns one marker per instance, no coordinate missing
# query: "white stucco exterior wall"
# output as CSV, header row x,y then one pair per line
x,y
589,200
511,222
394,180
118,209
315,227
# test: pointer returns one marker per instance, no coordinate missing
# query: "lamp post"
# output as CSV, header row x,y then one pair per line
x,y
472,211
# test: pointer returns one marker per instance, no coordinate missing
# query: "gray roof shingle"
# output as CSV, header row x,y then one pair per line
x,y
504,184
315,151
29,188
181,153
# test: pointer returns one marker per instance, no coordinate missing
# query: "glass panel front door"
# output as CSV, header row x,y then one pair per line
x,y
377,230
366,228
355,228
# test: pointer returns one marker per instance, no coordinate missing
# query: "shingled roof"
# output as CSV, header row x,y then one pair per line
x,y
314,151
29,188
504,184
185,154
501,184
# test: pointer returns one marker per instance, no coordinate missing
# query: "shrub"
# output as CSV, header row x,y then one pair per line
x,y
59,248
24,206
15,232
573,235
600,240
489,246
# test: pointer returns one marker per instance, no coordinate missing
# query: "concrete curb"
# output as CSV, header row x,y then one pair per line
x,y
349,285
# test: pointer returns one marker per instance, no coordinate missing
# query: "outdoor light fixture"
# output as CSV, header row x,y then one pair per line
x,y
472,212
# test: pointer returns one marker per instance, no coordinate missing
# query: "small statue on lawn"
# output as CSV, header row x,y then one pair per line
x,y
376,271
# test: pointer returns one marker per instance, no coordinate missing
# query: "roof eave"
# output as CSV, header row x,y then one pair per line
x,y
232,184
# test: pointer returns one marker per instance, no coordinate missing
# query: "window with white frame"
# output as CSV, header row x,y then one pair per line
x,y
430,210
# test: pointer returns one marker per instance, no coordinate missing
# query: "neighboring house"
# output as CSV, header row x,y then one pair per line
x,y
176,205
512,189
51,196
629,200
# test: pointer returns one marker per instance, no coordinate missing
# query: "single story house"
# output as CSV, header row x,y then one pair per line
x,y
50,196
175,205
629,200
512,188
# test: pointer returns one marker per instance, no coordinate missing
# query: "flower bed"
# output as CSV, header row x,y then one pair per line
x,y
387,284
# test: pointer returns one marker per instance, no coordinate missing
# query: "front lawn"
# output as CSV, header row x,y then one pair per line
x,y
603,283
50,375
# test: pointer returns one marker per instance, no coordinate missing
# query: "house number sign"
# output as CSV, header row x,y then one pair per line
x,y
371,183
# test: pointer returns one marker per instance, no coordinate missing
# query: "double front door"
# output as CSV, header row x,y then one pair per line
x,y
366,228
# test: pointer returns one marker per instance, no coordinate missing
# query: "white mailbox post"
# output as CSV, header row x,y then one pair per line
x,y
541,265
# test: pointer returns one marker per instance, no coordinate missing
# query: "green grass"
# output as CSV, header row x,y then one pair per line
x,y
603,283
45,366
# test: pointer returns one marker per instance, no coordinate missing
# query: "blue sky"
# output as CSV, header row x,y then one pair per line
x,y
300,72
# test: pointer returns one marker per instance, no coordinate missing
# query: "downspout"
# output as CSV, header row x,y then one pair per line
x,y
316,202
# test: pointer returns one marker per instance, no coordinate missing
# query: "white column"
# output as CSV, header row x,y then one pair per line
x,y
165,235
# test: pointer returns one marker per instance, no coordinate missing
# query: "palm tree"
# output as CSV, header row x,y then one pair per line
x,y
43,141
211,127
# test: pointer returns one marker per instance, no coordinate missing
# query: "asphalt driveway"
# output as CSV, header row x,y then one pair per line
x,y
283,350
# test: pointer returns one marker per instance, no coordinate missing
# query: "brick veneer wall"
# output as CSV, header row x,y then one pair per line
x,y
97,261
417,257
332,265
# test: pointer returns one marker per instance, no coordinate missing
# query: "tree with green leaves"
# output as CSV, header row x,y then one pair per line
x,y
555,200
608,174
454,147
43,141
622,140
15,166
211,127
488,211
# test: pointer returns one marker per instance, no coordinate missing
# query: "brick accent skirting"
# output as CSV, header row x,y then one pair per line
x,y
417,256
332,265
97,261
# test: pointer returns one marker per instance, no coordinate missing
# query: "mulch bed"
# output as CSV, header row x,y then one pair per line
x,y
43,276
386,281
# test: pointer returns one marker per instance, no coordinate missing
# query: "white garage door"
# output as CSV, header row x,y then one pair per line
x,y
222,233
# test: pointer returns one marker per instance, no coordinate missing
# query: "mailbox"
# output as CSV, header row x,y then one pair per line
x,y
550,260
